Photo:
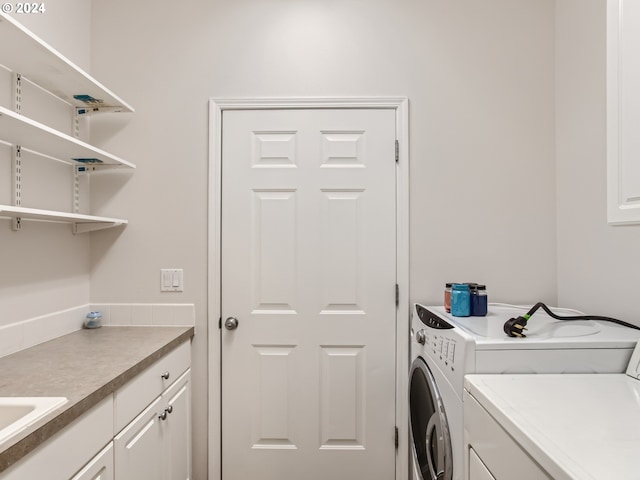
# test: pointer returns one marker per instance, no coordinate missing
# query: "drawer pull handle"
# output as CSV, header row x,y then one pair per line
x,y
165,375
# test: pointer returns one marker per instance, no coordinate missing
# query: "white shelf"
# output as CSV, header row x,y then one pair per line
x,y
30,56
20,130
82,223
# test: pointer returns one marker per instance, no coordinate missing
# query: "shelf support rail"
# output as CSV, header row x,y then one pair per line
x,y
17,97
16,168
16,156
76,170
76,189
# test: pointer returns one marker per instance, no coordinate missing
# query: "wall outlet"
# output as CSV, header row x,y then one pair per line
x,y
171,280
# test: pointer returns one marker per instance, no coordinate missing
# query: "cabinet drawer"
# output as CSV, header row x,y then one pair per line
x,y
60,457
137,394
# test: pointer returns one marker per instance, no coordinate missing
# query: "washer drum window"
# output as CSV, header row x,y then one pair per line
x,y
428,423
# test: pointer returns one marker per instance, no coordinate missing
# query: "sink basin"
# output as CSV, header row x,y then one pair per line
x,y
17,413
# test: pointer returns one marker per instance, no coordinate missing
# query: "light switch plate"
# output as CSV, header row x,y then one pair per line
x,y
171,280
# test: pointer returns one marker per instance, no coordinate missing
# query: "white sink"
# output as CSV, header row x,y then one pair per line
x,y
17,413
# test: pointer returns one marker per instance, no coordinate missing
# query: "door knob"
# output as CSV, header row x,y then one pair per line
x,y
231,323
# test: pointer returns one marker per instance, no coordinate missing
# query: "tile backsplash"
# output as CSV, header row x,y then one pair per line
x,y
20,335
157,314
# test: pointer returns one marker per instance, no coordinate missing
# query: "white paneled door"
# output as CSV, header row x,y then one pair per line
x,y
308,294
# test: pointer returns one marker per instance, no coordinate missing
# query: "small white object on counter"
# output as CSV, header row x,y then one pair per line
x,y
93,320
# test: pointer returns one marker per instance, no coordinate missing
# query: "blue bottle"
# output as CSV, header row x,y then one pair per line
x,y
460,300
479,301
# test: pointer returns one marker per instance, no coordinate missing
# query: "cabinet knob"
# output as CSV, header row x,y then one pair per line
x,y
169,409
163,415
165,375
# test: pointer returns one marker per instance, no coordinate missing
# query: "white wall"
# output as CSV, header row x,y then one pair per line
x,y
44,267
483,110
480,80
597,263
65,25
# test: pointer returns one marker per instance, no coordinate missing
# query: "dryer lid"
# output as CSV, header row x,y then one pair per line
x,y
543,331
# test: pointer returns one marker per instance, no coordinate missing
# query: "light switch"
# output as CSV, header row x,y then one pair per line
x,y
166,279
171,280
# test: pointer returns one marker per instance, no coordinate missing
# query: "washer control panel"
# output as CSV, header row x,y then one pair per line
x,y
438,346
432,320
436,336
443,345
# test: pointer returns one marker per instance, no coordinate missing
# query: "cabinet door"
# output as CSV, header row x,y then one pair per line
x,y
623,111
138,448
100,468
176,430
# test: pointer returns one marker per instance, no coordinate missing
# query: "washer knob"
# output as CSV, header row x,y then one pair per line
x,y
421,337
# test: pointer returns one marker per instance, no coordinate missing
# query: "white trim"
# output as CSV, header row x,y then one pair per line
x,y
317,102
214,293
403,319
622,208
216,107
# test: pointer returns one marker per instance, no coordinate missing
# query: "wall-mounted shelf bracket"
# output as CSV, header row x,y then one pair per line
x,y
76,187
82,111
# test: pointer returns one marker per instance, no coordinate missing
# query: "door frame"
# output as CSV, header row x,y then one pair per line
x,y
214,299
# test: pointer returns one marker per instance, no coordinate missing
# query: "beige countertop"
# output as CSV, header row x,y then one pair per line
x,y
85,367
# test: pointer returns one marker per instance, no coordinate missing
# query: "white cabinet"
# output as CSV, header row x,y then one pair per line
x,y
176,429
623,111
40,64
70,449
139,447
156,445
100,468
151,418
133,397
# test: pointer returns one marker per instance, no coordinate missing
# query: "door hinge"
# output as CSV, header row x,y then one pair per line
x,y
397,151
220,323
397,438
397,295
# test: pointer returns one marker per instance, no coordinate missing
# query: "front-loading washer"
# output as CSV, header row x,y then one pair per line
x,y
445,348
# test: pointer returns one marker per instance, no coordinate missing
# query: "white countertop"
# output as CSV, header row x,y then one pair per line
x,y
582,426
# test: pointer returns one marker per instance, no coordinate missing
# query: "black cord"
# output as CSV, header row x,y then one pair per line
x,y
578,317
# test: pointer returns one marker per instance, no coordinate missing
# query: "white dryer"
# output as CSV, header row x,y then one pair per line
x,y
554,426
445,348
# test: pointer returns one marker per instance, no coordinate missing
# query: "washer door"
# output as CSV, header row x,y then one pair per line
x,y
429,428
